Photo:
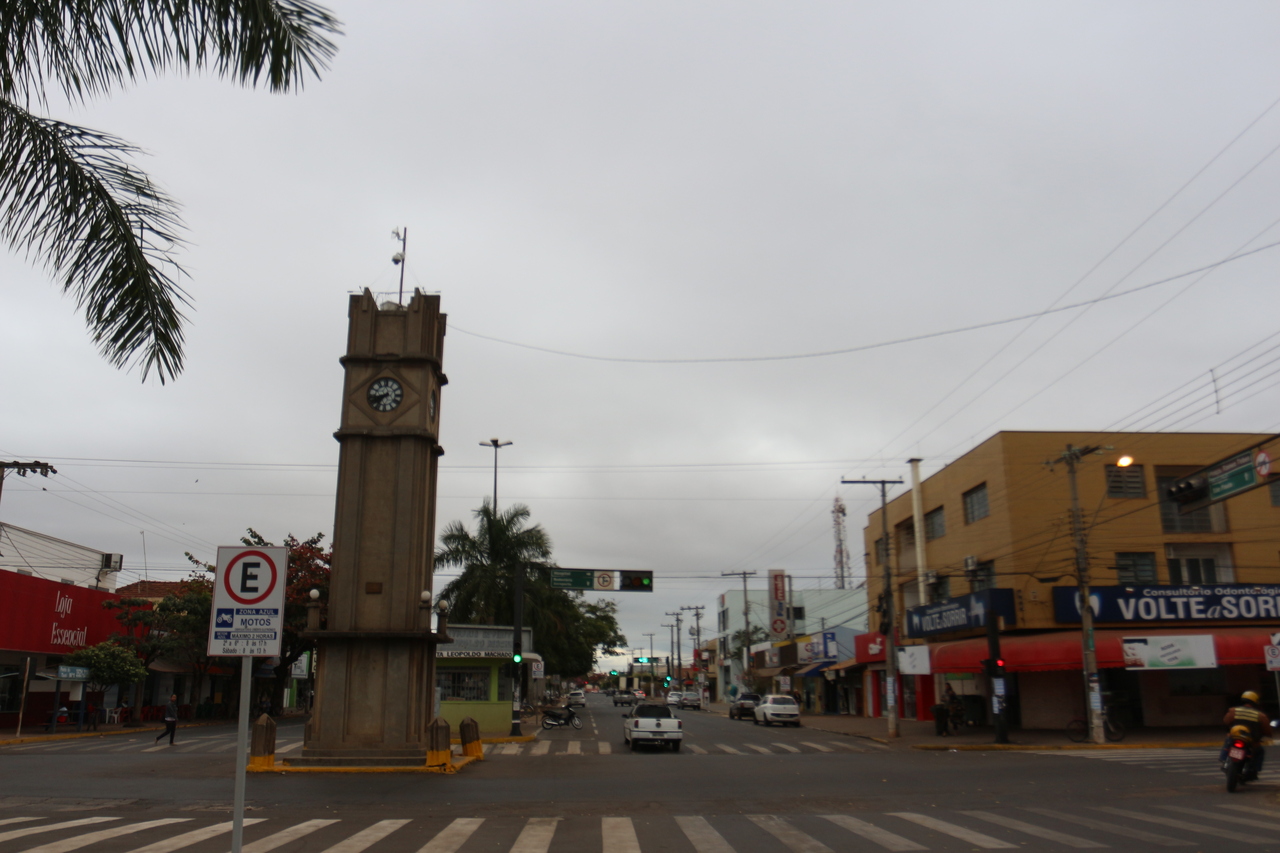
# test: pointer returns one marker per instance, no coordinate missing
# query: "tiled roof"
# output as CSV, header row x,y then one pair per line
x,y
151,590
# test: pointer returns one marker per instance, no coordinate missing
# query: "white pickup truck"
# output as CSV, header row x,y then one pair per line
x,y
652,724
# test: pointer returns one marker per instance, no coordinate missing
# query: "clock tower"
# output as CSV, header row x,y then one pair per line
x,y
376,655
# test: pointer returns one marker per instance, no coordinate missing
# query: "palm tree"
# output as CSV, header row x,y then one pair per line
x,y
503,545
69,196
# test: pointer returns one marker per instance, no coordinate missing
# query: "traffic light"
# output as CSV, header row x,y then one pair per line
x,y
516,658
635,581
1188,490
666,681
613,672
642,660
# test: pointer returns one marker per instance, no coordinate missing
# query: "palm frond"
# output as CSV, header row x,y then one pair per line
x,y
91,46
69,198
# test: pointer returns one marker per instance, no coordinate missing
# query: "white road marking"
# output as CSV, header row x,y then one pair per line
x,y
226,747
795,840
195,836
453,836
88,838
1182,824
191,747
975,838
284,836
540,747
1117,829
1032,829
604,747
367,837
871,832
785,746
703,836
158,748
513,748
16,820
845,745
49,827
730,749
575,748
1261,824
696,749
619,835
1252,810
761,749
289,747
816,746
536,835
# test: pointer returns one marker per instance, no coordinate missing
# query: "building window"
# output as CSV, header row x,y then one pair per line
x,y
983,576
1275,492
463,685
939,590
906,536
723,620
10,689
1209,519
1136,568
1190,565
975,504
935,525
1127,482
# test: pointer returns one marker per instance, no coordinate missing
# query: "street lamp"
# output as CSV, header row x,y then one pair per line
x,y
517,618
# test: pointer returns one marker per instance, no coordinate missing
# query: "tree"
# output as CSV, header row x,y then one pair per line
x,y
568,631
738,640
184,617
70,196
109,663
142,636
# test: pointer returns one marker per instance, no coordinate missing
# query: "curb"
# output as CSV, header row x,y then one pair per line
x,y
111,733
285,769
1028,747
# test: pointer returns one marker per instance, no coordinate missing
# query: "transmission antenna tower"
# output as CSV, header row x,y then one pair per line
x,y
842,552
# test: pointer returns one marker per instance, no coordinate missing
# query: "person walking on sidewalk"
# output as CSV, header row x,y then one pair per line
x,y
170,720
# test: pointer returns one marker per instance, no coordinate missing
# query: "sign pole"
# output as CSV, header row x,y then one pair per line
x,y
242,746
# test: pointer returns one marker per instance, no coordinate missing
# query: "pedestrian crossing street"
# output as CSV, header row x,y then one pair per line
x,y
1188,762
1094,827
200,744
603,747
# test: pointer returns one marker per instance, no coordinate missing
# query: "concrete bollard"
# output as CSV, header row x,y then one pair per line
x,y
262,745
439,749
469,733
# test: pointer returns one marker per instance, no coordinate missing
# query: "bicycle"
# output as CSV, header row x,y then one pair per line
x,y
1112,729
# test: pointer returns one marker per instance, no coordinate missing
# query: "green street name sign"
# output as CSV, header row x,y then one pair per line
x,y
573,579
1232,476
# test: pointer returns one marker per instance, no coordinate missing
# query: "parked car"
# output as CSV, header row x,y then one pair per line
x,y
691,699
576,697
776,708
743,706
673,698
647,723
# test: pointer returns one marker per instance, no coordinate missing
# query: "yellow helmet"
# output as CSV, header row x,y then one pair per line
x,y
1241,732
1249,696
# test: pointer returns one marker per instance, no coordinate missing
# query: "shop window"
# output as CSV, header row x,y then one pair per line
x,y
1127,482
935,525
1136,568
1197,682
463,685
10,689
1190,565
1209,519
975,504
983,576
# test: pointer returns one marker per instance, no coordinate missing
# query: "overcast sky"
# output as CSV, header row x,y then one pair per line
x,y
674,181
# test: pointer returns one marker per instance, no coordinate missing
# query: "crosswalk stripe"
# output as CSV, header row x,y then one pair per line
x,y
367,837
540,748
1251,810
1187,825
289,747
604,748
788,747
1114,828
795,840
702,835
1033,829
195,836
453,836
954,831
191,747
284,836
871,832
488,749
619,835
76,842
763,750
158,748
845,745
49,827
729,749
536,835
575,748
16,820
1261,824
816,746
225,747
514,748
693,747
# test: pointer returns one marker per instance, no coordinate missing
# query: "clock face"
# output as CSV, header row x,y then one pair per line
x,y
385,394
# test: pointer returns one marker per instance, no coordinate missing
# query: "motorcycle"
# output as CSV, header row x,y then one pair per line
x,y
553,717
1238,756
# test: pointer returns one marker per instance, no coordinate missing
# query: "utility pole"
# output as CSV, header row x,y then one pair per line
x,y
651,669
517,609
678,646
697,641
671,648
1089,656
746,621
22,469
889,628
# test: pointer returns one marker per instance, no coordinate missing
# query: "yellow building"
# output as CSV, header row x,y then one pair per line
x,y
1203,587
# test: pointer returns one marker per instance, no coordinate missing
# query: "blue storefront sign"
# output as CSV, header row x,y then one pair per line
x,y
961,613
1207,603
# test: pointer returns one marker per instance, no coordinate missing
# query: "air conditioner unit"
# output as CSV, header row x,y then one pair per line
x,y
971,564
112,562
930,577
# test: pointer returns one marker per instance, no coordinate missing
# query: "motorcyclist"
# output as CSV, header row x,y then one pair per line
x,y
1249,714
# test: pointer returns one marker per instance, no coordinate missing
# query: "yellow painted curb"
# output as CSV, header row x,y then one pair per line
x,y
283,769
1027,747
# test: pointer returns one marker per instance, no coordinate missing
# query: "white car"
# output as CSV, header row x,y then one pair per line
x,y
673,698
776,708
576,697
652,724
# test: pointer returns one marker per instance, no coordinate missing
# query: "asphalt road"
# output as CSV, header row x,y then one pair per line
x,y
733,787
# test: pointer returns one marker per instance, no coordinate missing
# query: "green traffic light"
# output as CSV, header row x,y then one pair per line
x,y
517,657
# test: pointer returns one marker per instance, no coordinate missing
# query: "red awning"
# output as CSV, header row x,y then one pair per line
x,y
1061,649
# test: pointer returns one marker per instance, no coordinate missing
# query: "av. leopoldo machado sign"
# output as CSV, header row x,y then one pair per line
x,y
1150,604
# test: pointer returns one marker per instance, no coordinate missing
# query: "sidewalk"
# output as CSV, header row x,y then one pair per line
x,y
36,734
920,735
